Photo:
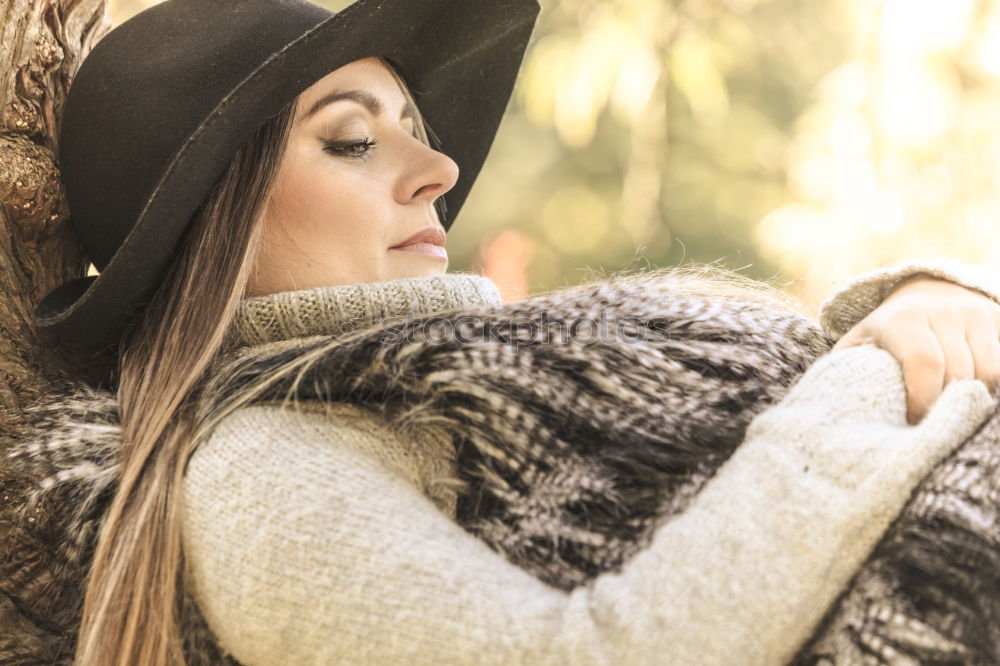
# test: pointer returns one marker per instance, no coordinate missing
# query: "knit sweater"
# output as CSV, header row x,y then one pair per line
x,y
318,536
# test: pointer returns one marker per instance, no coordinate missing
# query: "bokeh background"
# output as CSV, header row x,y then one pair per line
x,y
797,142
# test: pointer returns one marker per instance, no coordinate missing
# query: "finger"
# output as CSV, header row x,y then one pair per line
x,y
984,341
923,365
958,360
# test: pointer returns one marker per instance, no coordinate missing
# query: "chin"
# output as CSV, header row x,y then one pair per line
x,y
419,263
440,269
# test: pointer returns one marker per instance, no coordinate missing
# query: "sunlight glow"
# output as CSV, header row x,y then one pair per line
x,y
910,164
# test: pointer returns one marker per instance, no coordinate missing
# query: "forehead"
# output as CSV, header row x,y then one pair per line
x,y
369,74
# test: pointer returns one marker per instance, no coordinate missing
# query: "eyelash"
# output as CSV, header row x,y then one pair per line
x,y
347,149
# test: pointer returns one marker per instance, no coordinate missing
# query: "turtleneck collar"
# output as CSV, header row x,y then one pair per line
x,y
340,309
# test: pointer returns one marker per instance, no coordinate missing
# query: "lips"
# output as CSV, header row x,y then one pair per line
x,y
432,235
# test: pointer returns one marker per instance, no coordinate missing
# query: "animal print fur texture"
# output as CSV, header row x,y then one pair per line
x,y
60,473
571,450
572,447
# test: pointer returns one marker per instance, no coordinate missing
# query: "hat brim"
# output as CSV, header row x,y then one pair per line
x,y
459,66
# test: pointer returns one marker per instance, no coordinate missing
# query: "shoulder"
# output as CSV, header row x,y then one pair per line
x,y
259,441
276,502
312,445
256,429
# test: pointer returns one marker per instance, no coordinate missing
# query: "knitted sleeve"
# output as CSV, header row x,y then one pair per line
x,y
305,550
856,300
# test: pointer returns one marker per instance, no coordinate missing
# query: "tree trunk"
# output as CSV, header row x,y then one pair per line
x,y
42,43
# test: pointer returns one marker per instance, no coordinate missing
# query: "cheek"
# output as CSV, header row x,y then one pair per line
x,y
315,199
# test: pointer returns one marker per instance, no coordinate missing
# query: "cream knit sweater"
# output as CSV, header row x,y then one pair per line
x,y
319,537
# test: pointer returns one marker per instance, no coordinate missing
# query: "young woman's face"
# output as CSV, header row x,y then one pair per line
x,y
340,205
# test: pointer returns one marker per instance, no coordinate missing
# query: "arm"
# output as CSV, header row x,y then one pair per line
x,y
304,550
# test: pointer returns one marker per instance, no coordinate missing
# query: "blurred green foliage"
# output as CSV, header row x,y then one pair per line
x,y
645,132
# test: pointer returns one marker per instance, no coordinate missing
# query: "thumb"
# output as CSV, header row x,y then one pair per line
x,y
855,337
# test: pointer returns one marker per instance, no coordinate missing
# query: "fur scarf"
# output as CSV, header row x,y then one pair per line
x,y
582,419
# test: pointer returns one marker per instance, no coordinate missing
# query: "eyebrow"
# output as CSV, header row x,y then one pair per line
x,y
362,97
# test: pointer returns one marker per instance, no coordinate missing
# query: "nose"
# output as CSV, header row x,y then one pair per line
x,y
428,176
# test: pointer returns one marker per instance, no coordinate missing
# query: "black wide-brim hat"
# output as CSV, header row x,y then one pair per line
x,y
163,102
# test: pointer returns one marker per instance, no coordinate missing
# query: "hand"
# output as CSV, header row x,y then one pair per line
x,y
938,331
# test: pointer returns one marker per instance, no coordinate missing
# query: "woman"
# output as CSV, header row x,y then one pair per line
x,y
330,145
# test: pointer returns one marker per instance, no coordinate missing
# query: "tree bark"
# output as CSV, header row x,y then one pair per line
x,y
42,43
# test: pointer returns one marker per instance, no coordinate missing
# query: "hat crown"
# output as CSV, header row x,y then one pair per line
x,y
125,99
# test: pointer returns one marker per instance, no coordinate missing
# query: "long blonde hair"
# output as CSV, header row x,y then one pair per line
x,y
131,611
